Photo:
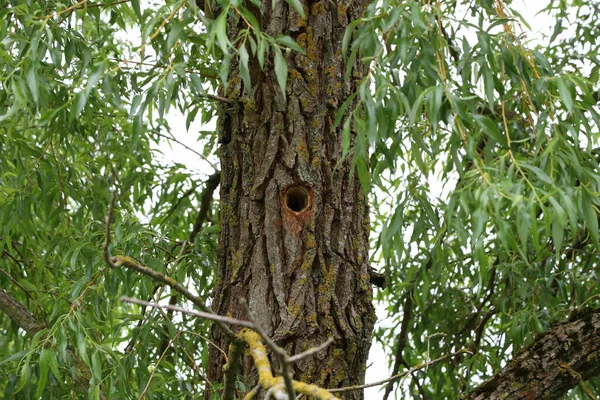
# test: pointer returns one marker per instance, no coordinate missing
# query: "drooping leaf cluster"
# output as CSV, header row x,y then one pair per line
x,y
484,166
85,92
478,146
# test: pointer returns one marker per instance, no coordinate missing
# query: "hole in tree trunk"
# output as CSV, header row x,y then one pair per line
x,y
297,199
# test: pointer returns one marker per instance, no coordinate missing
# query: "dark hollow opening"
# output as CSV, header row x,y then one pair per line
x,y
297,199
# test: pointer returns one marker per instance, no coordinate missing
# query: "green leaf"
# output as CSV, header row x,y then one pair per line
x,y
54,365
348,35
490,128
297,6
250,18
221,32
289,42
434,105
11,111
342,110
281,70
80,100
244,72
362,169
44,368
558,211
538,172
135,4
94,78
262,49
488,84
346,137
15,356
174,34
589,215
565,92
24,375
558,234
97,366
32,82
82,347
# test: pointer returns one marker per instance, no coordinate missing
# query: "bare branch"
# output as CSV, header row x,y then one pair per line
x,y
265,376
310,352
402,374
251,394
202,314
129,262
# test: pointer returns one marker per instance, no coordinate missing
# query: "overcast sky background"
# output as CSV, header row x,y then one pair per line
x,y
379,361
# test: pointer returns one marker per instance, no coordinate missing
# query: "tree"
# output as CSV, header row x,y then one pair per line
x,y
473,149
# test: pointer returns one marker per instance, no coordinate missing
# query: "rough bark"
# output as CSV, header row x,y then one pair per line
x,y
294,223
558,360
19,314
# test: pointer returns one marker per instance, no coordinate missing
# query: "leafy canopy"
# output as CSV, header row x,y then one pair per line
x,y
478,148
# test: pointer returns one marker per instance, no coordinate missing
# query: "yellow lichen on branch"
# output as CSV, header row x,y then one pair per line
x,y
266,379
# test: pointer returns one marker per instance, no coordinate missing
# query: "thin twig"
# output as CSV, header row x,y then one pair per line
x,y
251,394
56,14
164,353
310,351
162,25
216,98
202,156
402,374
129,262
200,314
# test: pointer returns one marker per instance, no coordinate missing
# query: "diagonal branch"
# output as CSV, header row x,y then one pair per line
x,y
401,375
26,321
249,336
558,360
19,314
128,262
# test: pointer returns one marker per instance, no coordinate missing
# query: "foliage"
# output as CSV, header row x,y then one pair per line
x,y
487,147
478,149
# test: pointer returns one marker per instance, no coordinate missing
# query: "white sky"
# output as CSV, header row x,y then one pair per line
x,y
378,359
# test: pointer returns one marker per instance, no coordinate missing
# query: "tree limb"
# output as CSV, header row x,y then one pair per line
x,y
19,314
26,321
558,360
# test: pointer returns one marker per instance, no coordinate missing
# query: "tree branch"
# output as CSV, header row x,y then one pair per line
x,y
249,336
19,314
232,368
128,262
558,360
401,375
265,376
26,321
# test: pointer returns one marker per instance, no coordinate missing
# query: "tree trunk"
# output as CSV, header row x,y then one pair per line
x,y
559,359
294,222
